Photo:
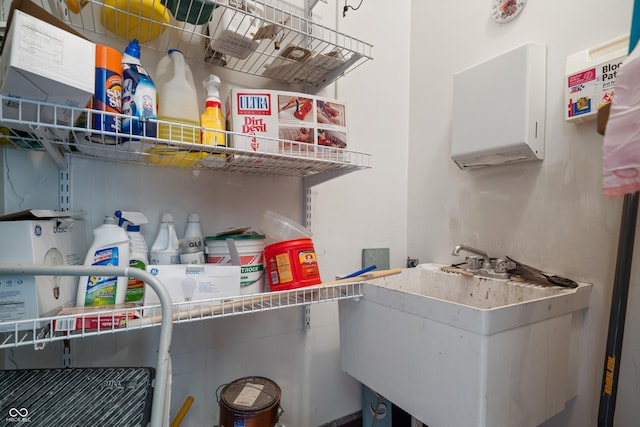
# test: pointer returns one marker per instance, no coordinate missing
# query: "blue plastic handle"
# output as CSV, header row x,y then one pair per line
x,y
360,272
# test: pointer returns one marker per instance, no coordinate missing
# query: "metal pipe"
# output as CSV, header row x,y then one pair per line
x,y
620,294
618,311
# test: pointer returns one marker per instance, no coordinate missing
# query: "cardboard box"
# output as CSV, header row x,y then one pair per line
x,y
87,318
194,282
590,77
34,237
43,59
590,89
272,118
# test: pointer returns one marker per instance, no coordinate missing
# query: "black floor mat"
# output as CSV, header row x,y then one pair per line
x,y
76,397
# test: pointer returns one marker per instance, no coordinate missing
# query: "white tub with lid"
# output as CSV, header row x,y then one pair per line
x,y
250,248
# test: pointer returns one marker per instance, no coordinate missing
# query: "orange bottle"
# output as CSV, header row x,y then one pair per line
x,y
108,90
212,117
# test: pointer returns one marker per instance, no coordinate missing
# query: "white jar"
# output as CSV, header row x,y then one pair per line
x,y
166,247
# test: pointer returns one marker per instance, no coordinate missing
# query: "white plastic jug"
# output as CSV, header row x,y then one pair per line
x,y
166,247
110,247
177,99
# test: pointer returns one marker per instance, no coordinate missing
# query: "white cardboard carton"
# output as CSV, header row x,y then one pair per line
x,y
57,241
194,282
41,61
253,113
269,118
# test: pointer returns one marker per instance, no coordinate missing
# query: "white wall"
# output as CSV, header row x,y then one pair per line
x,y
367,209
551,214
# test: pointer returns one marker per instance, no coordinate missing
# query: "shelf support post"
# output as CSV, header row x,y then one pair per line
x,y
307,318
66,354
64,181
310,4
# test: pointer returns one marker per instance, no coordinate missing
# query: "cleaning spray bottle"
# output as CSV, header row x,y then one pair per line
x,y
192,243
138,96
193,228
177,99
138,251
110,247
212,117
166,247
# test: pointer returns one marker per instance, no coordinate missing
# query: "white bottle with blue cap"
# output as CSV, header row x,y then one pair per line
x,y
138,96
138,252
110,247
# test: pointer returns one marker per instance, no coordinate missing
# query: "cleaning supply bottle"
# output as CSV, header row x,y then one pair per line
x,y
138,252
191,251
166,247
212,118
110,247
138,96
177,100
193,229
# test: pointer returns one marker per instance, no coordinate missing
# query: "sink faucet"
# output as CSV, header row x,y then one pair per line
x,y
485,256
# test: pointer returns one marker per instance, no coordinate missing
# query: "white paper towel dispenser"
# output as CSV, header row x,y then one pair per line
x,y
499,109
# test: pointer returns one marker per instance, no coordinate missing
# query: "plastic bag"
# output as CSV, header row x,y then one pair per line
x,y
621,148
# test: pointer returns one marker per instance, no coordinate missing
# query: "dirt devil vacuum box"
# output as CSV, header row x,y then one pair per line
x,y
270,119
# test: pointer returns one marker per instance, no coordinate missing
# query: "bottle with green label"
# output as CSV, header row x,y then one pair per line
x,y
138,252
110,247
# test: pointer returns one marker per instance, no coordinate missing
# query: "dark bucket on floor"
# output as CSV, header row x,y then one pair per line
x,y
250,402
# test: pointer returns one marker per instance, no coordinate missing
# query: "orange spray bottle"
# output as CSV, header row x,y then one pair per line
x,y
212,118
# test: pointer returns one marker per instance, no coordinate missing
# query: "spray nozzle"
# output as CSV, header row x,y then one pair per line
x,y
133,218
211,84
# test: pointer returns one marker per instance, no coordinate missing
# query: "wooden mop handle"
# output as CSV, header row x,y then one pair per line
x,y
363,277
182,412
207,311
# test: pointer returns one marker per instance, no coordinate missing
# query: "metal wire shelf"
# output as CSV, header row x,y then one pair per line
x,y
267,38
42,126
42,331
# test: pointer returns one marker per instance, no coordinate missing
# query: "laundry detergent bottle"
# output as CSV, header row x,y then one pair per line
x,y
110,247
177,100
138,96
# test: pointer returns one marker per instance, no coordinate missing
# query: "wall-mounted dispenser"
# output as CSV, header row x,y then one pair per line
x,y
499,109
590,78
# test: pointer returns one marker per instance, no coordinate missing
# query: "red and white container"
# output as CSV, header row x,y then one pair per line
x,y
291,264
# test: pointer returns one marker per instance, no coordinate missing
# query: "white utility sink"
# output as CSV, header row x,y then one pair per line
x,y
456,351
